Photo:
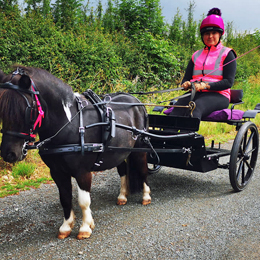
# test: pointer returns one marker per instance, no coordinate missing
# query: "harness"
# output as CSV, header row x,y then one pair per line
x,y
107,122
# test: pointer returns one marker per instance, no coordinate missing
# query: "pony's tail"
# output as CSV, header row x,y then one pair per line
x,y
137,171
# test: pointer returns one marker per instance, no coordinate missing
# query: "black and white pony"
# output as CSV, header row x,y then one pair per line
x,y
74,140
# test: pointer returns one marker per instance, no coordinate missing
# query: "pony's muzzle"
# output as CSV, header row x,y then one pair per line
x,y
10,157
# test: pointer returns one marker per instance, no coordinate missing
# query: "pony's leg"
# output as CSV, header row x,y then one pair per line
x,y
63,183
138,175
122,170
146,195
84,200
67,226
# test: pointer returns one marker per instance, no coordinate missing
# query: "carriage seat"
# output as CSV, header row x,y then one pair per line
x,y
231,114
223,115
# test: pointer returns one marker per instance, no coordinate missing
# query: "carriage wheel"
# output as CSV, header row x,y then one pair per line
x,y
243,156
153,168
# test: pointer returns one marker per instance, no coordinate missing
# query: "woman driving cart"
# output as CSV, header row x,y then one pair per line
x,y
212,69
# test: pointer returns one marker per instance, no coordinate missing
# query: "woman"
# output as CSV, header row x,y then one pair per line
x,y
207,70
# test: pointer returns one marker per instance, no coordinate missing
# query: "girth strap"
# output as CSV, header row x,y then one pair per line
x,y
81,127
72,148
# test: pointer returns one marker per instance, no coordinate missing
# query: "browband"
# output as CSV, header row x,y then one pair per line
x,y
9,85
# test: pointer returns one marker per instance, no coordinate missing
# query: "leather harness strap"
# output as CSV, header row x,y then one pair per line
x,y
81,127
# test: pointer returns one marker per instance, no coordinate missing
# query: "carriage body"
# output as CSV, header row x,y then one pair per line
x,y
240,159
194,156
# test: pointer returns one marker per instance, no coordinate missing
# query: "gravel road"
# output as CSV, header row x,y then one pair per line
x,y
192,216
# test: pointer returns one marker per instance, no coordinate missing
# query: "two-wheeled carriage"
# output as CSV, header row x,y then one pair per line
x,y
187,149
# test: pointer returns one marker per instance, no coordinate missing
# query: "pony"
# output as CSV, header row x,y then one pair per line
x,y
73,137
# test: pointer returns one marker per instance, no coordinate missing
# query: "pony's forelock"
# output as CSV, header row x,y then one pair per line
x,y
12,109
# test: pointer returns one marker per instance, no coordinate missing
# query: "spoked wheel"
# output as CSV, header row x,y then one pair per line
x,y
153,168
243,156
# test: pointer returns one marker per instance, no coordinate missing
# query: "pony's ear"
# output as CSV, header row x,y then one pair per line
x,y
25,82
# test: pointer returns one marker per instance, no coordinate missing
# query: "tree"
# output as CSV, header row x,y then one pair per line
x,y
190,29
151,16
5,4
46,9
99,10
39,6
67,13
111,18
33,5
229,33
8,6
176,32
141,15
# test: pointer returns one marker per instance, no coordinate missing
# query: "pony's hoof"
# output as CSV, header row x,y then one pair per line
x,y
121,202
83,235
146,202
92,225
63,235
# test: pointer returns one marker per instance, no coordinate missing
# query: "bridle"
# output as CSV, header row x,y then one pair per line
x,y
31,111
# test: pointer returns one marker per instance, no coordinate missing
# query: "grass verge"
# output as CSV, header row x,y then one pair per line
x,y
25,175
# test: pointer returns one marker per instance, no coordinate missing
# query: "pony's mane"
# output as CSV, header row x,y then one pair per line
x,y
43,78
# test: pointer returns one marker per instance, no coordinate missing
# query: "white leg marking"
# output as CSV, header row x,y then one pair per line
x,y
68,224
146,194
84,203
121,199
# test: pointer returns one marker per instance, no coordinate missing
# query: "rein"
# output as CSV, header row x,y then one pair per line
x,y
156,91
231,61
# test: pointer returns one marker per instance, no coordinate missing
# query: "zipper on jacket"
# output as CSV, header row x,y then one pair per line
x,y
205,60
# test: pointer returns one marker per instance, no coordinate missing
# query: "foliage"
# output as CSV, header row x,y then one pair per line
x,y
18,177
66,13
101,48
9,5
190,29
23,169
247,65
12,189
162,64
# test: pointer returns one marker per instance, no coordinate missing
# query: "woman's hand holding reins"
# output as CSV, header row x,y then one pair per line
x,y
186,85
198,85
201,86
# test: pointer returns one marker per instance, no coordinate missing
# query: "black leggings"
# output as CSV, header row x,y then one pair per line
x,y
206,103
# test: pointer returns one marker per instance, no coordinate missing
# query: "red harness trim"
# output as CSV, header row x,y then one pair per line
x,y
39,107
31,135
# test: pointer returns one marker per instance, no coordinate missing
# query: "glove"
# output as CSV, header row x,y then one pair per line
x,y
186,85
201,86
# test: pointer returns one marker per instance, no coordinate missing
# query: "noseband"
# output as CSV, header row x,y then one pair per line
x,y
30,111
